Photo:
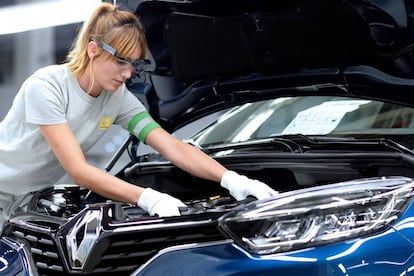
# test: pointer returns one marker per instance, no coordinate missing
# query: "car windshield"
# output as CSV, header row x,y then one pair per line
x,y
309,115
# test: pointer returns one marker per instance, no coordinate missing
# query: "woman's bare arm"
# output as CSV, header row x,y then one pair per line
x,y
70,155
185,156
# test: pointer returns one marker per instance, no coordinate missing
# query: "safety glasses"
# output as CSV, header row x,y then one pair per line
x,y
134,65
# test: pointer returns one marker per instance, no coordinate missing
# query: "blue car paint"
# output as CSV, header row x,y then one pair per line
x,y
405,224
12,259
360,257
389,252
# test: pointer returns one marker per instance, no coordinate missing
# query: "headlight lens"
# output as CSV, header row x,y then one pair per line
x,y
318,215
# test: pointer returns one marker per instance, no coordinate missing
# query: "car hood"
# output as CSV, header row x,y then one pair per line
x,y
211,54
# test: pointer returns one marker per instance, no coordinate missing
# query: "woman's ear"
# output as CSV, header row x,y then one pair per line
x,y
92,48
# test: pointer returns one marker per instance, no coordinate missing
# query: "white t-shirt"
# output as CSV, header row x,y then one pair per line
x,y
52,96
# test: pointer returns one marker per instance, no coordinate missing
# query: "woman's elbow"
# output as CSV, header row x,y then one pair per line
x,y
79,173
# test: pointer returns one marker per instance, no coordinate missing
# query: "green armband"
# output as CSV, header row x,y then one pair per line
x,y
142,124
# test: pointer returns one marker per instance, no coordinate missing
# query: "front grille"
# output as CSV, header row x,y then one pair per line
x,y
126,252
116,252
42,248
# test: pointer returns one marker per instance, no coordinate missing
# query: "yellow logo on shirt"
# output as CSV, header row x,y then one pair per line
x,y
105,122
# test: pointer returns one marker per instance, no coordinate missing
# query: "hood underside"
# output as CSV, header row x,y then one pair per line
x,y
212,54
219,39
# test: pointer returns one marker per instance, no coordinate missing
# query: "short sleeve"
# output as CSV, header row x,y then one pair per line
x,y
129,107
141,125
44,103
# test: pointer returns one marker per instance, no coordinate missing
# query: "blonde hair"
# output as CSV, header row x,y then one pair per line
x,y
122,30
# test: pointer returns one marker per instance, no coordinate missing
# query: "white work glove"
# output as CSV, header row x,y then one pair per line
x,y
161,204
240,186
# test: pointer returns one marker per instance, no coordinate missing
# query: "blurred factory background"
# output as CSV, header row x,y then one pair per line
x,y
36,33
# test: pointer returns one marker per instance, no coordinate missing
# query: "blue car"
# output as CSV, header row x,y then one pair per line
x,y
312,97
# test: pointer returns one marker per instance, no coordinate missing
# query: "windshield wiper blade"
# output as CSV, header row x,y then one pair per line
x,y
288,144
299,143
396,146
371,142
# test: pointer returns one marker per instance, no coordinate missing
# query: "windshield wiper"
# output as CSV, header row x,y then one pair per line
x,y
287,144
299,143
372,142
396,146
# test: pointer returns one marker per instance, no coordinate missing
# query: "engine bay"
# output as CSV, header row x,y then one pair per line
x,y
282,172
66,201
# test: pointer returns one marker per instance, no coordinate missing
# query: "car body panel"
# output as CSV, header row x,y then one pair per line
x,y
13,259
386,253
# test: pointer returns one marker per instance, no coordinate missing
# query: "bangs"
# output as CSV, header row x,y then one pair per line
x,y
126,40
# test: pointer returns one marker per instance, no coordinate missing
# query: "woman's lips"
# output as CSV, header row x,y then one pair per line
x,y
119,81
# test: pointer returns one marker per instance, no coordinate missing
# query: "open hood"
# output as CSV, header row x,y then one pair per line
x,y
205,50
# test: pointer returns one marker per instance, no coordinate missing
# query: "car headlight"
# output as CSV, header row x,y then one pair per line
x,y
318,215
